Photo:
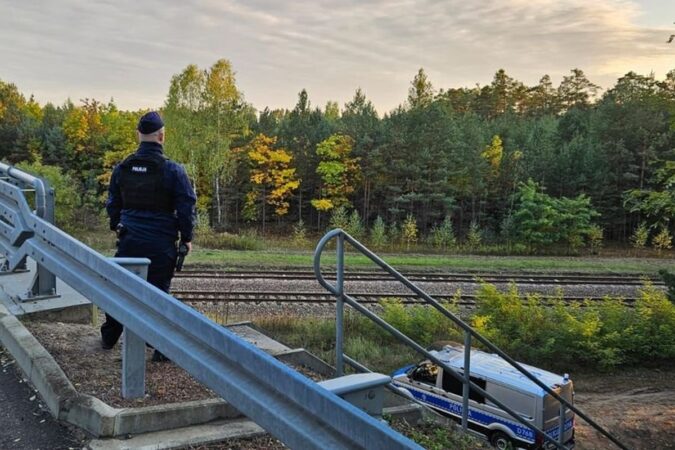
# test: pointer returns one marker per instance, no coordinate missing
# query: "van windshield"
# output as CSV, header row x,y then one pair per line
x,y
425,373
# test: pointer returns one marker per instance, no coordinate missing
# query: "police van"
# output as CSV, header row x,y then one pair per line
x,y
441,391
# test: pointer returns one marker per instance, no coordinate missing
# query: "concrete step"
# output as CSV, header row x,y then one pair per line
x,y
183,437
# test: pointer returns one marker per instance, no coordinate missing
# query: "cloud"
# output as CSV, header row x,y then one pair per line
x,y
90,48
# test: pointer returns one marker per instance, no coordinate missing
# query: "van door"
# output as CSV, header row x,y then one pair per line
x,y
551,413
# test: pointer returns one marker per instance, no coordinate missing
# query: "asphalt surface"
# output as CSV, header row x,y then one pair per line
x,y
25,422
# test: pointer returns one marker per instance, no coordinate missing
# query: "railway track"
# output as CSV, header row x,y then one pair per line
x,y
519,278
319,297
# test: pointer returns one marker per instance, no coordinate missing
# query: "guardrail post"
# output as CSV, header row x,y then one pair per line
x,y
133,347
340,306
133,365
467,380
44,283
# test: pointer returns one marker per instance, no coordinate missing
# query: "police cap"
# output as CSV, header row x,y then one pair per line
x,y
150,122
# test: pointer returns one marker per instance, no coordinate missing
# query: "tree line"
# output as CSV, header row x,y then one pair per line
x,y
510,160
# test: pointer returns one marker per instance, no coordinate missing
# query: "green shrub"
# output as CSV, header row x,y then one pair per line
x,y
378,234
409,230
542,220
652,334
207,238
669,280
443,236
422,323
595,236
433,436
66,196
395,234
339,218
640,236
354,225
474,237
299,237
663,240
605,334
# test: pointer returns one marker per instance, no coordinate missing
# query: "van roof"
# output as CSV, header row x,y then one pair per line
x,y
492,367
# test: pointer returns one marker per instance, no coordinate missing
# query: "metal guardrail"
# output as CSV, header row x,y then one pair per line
x,y
44,283
291,407
469,333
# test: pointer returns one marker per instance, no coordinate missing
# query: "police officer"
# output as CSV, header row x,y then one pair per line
x,y
151,204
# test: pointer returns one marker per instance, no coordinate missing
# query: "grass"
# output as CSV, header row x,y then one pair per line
x,y
433,436
222,250
303,260
318,336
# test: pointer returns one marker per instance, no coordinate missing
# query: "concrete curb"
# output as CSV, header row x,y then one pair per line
x,y
183,437
90,413
217,431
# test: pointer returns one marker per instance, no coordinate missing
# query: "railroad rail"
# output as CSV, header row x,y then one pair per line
x,y
466,300
519,278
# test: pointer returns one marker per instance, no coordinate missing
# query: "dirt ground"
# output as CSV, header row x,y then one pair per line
x,y
637,407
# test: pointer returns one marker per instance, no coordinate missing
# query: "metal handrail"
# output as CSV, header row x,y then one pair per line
x,y
26,179
341,297
44,284
291,407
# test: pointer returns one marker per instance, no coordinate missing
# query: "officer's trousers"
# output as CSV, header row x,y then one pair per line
x,y
162,255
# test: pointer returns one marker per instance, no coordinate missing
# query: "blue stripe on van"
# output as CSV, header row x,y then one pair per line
x,y
483,418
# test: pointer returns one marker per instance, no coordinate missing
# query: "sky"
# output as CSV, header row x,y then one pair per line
x,y
128,50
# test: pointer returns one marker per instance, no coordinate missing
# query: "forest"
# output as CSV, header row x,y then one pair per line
x,y
571,165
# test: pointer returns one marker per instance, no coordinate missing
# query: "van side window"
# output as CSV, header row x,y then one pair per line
x,y
426,373
451,384
455,386
475,395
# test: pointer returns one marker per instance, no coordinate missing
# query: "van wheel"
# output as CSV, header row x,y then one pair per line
x,y
501,441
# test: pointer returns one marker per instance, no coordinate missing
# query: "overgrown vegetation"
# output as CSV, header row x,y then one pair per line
x,y
669,279
208,238
595,334
605,334
432,436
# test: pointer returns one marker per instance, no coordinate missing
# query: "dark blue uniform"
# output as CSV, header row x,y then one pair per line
x,y
151,233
